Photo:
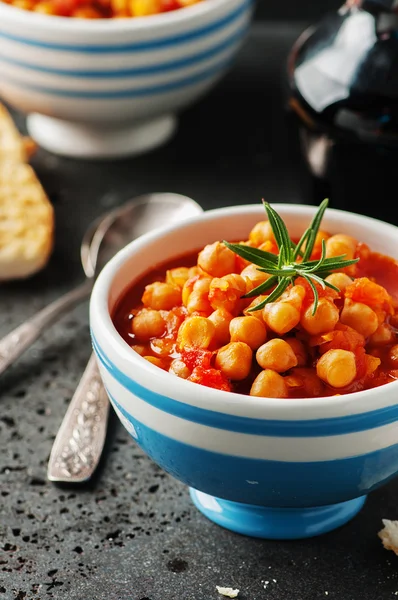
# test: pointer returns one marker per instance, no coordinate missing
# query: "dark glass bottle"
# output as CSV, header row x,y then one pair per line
x,y
343,100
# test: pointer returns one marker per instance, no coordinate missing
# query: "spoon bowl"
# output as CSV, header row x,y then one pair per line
x,y
110,233
102,240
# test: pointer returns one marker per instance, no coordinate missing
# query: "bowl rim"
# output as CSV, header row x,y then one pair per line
x,y
218,400
73,24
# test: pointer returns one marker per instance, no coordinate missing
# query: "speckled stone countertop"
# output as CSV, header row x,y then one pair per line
x,y
133,533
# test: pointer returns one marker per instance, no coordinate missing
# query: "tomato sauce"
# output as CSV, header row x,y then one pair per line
x,y
302,381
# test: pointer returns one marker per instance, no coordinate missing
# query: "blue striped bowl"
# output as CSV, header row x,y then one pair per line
x,y
259,466
106,88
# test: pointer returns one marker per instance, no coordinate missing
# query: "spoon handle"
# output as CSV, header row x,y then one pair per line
x,y
81,436
21,338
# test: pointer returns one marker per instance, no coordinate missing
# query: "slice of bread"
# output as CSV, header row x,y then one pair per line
x,y
26,214
12,145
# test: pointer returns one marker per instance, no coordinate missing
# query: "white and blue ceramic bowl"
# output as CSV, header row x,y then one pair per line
x,y
103,88
259,466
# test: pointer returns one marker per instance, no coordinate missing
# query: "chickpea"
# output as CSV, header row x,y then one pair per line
x,y
240,262
393,356
320,236
281,317
299,350
142,8
253,277
120,6
217,260
202,285
148,323
360,317
193,271
269,384
45,8
254,313
294,295
196,332
340,244
195,295
307,380
199,302
139,348
25,4
340,280
163,347
372,363
269,246
337,368
250,330
221,320
234,360
276,355
383,335
179,368
158,362
187,288
161,296
177,276
226,292
325,318
261,232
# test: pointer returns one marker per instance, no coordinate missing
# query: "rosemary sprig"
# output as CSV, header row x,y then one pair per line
x,y
292,260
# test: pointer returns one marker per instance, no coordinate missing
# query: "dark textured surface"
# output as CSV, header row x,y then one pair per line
x,y
295,10
133,534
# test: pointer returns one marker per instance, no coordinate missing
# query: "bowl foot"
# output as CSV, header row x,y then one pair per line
x,y
93,141
276,523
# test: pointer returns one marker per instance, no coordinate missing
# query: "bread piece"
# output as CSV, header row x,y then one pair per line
x,y
227,591
13,146
26,222
389,535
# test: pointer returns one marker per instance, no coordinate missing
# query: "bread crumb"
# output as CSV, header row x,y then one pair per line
x,y
227,591
389,535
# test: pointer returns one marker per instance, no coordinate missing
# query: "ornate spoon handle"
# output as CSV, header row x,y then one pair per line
x,y
81,437
19,340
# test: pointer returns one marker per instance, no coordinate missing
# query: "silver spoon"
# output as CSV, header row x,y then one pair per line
x,y
103,238
80,440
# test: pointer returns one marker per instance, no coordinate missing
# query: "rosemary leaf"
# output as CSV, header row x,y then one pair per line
x,y
314,228
286,243
263,287
315,293
278,291
252,254
285,267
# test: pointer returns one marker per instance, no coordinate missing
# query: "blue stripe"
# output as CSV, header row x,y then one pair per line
x,y
266,427
279,483
127,93
131,72
148,45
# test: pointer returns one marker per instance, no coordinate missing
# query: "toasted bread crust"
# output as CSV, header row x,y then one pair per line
x,y
11,142
26,214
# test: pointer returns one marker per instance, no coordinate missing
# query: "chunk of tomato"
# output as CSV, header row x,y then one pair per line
x,y
196,357
210,378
